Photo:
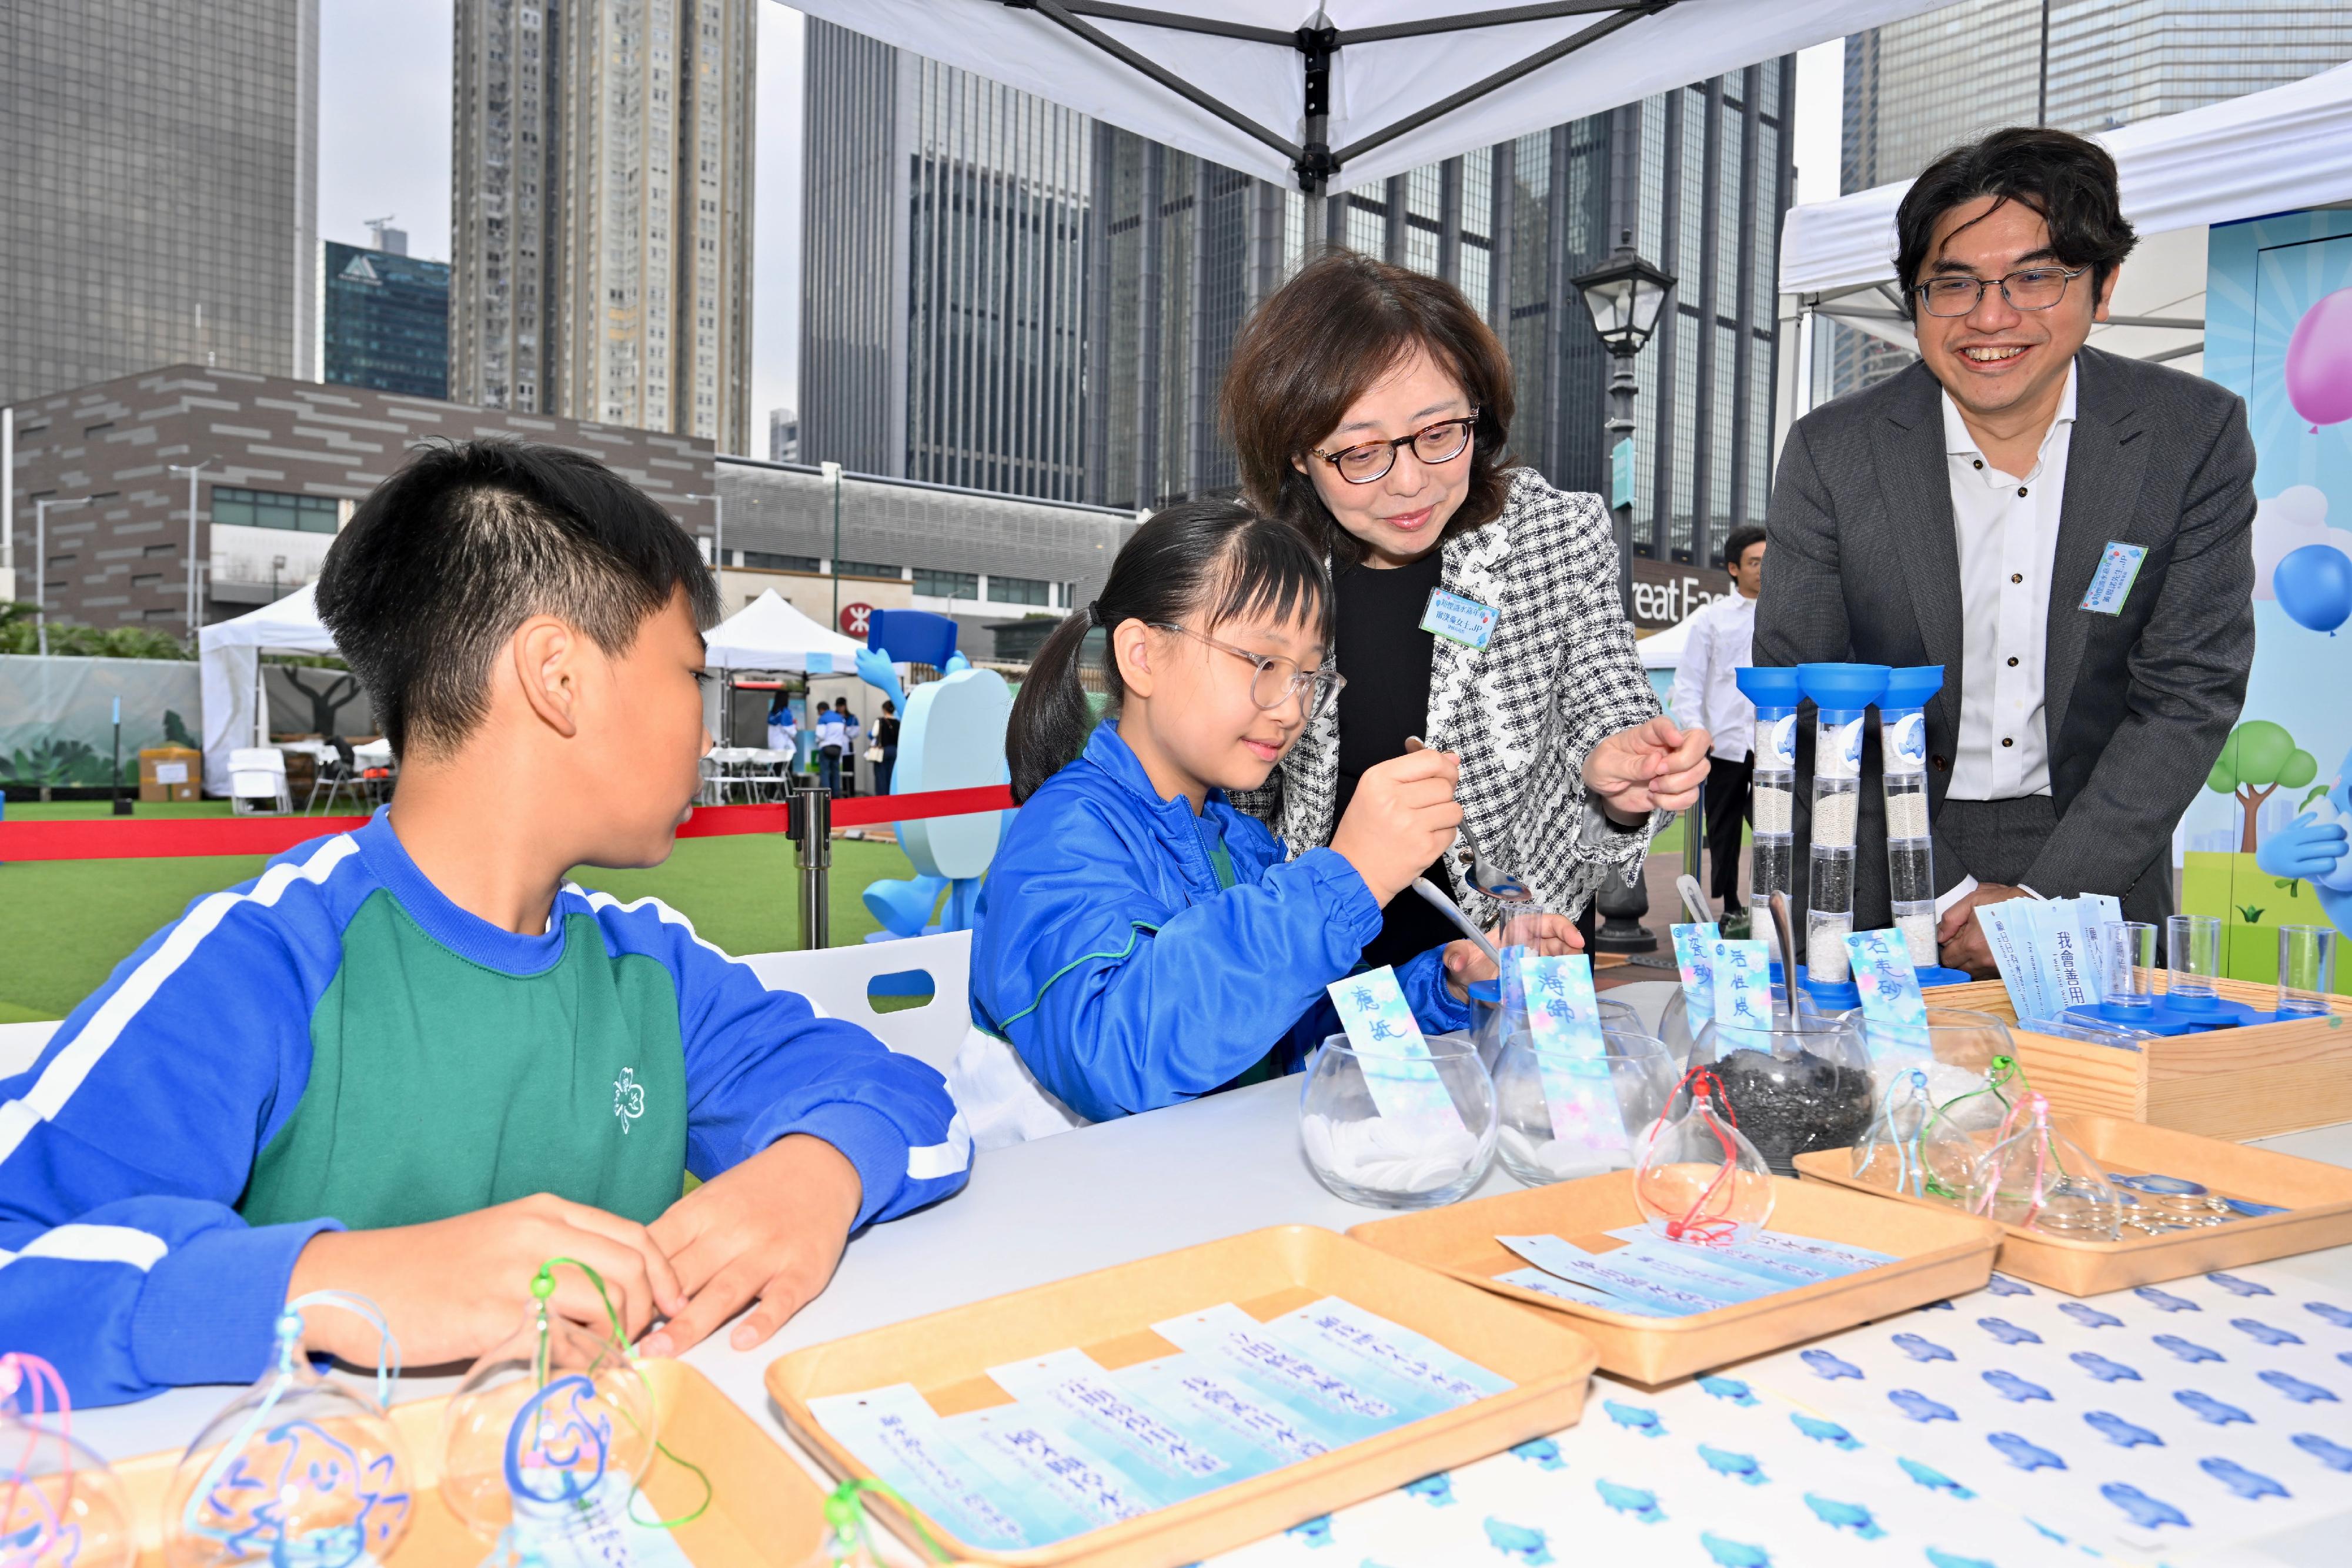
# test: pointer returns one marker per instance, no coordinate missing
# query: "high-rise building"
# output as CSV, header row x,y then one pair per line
x,y
384,319
162,189
601,240
1916,86
1000,292
784,436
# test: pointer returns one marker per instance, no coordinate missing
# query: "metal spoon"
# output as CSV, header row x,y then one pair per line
x,y
1452,911
1694,900
1787,1006
1485,877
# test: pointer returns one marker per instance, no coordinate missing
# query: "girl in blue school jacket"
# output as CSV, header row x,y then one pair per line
x,y
1140,941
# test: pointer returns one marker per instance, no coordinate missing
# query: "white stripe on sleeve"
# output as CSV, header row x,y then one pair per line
x,y
94,1244
933,1161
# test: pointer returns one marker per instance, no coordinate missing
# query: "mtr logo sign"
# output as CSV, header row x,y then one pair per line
x,y
1664,592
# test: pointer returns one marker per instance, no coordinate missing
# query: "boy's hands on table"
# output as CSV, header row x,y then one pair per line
x,y
455,1288
771,1229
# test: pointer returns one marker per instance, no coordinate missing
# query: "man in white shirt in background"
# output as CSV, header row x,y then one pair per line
x,y
1706,697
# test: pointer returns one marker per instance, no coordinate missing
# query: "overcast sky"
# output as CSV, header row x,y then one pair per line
x,y
384,150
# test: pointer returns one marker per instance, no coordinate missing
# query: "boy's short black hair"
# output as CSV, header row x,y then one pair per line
x,y
2069,180
467,541
1739,541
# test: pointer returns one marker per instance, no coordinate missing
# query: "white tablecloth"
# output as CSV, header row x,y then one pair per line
x,y
1128,1190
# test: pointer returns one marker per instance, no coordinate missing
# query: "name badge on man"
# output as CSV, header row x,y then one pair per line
x,y
2112,583
1459,620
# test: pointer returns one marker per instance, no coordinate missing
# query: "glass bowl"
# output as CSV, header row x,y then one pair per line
x,y
1489,1028
1398,1132
1800,1085
1548,1103
1955,1049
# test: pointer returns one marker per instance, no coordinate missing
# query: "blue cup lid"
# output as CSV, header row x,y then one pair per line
x,y
1842,688
1767,689
1913,687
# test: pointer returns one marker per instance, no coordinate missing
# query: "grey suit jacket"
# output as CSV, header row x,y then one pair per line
x,y
1863,565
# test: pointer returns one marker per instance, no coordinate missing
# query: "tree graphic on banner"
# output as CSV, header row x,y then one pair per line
x,y
2258,760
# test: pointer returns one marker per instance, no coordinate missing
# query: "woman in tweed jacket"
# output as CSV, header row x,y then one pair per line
x,y
1358,368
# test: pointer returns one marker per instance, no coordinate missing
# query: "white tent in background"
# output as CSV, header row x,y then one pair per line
x,y
229,656
1663,650
2242,158
1346,92
769,634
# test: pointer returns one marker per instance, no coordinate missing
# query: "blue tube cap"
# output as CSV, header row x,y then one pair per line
x,y
1912,687
1842,688
1767,689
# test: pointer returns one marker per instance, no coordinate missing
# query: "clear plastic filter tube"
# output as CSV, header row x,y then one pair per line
x,y
1843,692
1772,797
1910,850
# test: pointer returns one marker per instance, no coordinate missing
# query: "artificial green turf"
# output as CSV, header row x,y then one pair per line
x,y
70,922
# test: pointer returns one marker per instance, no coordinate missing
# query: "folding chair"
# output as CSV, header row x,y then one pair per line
x,y
257,781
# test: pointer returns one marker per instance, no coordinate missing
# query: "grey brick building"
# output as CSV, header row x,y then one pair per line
x,y
288,460
161,184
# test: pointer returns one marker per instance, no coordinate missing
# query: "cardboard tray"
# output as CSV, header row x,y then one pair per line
x,y
763,1507
2235,1084
1943,1254
2320,1197
1108,1314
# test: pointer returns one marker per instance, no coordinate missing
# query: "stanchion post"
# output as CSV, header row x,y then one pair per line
x,y
1693,828
813,829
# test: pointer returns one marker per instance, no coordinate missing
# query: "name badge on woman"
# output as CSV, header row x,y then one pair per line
x,y
1459,620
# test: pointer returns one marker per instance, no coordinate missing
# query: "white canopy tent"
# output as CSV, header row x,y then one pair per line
x,y
230,663
2266,153
1348,92
769,634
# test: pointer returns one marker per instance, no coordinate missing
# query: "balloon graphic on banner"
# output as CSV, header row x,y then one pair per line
x,y
2314,584
2319,362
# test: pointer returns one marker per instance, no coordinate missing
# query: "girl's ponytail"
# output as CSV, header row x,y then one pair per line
x,y
1216,560
1051,717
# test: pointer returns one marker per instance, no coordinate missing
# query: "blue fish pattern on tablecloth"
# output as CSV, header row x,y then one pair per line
x,y
2025,1428
2003,1285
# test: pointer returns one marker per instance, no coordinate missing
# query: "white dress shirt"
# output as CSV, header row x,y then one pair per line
x,y
2007,530
1721,635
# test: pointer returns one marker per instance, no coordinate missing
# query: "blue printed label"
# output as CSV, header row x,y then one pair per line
x,y
1905,742
1694,957
1837,750
1459,620
1776,743
2112,583
1743,985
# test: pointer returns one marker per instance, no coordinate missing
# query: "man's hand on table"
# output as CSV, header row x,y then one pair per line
x,y
1960,941
1654,766
455,1288
771,1230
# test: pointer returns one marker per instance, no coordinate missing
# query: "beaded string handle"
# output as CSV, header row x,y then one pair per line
x,y
21,1372
845,1526
543,1287
1694,1224
281,1381
1910,1164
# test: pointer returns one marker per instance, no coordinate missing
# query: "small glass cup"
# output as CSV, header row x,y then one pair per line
x,y
2193,950
1634,1073
2306,971
2127,963
1392,1131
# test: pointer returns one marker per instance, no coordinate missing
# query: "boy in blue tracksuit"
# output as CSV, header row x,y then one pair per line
x,y
412,1062
1140,941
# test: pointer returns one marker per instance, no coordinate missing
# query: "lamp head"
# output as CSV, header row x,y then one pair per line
x,y
1625,296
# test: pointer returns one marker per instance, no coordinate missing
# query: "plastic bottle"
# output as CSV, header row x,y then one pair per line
x,y
1910,855
1772,794
1843,692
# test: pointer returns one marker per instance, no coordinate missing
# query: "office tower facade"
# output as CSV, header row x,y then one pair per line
x,y
1085,362
162,183
602,215
1919,86
383,319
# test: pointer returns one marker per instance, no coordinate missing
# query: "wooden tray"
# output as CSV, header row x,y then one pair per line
x,y
1108,1314
2319,1195
765,1507
1938,1259
2234,1083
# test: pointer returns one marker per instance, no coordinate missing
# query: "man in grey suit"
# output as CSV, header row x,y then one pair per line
x,y
2067,533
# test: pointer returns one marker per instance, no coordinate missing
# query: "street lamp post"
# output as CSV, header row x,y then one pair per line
x,y
832,478
41,565
1625,295
192,470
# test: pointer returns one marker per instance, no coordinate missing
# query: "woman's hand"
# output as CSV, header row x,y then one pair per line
x,y
1548,935
1402,817
1654,766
